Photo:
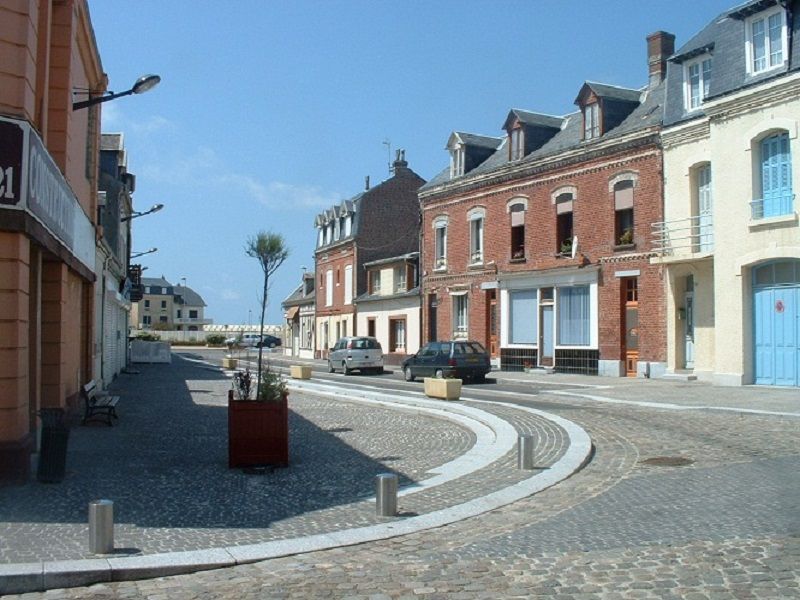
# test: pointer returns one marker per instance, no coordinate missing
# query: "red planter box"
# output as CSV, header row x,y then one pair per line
x,y
258,432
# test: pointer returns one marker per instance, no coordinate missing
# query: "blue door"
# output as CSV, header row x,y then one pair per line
x,y
776,302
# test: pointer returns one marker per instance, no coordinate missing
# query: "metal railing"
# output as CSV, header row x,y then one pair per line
x,y
763,208
686,236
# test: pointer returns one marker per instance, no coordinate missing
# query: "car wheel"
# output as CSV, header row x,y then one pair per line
x,y
439,374
479,378
272,344
345,368
330,367
407,374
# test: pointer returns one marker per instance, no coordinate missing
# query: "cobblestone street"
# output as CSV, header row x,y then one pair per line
x,y
674,504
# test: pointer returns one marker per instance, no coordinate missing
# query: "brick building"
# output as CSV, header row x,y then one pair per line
x,y
353,233
538,243
48,208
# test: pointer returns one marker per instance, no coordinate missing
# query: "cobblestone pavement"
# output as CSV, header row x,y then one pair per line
x,y
632,524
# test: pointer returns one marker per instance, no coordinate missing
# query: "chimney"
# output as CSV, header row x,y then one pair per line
x,y
660,46
399,161
366,183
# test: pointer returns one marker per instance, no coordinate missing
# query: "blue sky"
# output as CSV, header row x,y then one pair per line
x,y
268,112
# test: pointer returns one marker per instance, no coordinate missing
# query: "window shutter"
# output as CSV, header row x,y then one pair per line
x,y
623,198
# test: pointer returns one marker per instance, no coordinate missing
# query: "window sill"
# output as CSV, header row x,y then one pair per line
x,y
442,269
789,219
520,259
475,266
623,247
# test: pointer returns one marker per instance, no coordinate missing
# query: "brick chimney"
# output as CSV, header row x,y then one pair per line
x,y
399,163
660,46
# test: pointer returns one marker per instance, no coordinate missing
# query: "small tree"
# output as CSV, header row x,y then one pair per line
x,y
270,250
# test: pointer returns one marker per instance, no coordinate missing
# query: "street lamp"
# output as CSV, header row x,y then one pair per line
x,y
142,85
138,254
134,214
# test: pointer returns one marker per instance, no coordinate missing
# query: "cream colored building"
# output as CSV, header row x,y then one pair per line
x,y
390,309
731,241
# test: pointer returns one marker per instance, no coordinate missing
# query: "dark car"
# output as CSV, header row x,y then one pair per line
x,y
464,360
269,341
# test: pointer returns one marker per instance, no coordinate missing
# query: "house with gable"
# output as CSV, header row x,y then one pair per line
x,y
380,222
729,244
537,243
298,310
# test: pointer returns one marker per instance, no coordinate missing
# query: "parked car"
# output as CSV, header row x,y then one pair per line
x,y
253,340
463,360
356,353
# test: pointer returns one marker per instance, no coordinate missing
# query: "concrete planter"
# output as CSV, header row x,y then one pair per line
x,y
229,362
446,389
300,372
258,432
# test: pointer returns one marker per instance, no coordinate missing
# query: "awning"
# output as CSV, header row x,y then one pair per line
x,y
291,313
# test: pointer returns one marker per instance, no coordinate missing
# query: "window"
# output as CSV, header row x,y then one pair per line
x,y
517,212
375,282
338,273
517,147
348,284
457,161
163,304
147,320
697,77
623,213
703,236
524,317
440,241
329,288
320,237
192,314
348,225
147,303
371,327
766,40
573,316
476,217
163,319
564,223
179,313
400,284
397,335
460,315
591,121
776,178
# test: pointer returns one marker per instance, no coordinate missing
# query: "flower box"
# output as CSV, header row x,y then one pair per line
x,y
229,362
300,372
446,389
258,432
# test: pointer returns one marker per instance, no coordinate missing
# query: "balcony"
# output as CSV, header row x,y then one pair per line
x,y
778,205
691,237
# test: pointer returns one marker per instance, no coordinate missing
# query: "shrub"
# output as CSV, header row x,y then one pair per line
x,y
215,339
147,336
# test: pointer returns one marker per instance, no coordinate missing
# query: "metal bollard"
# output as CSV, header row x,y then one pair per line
x,y
101,527
386,495
525,445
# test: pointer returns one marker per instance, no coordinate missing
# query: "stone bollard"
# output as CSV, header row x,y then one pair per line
x,y
386,495
525,444
101,527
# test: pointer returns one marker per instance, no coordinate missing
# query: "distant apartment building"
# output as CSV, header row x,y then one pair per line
x,y
380,222
168,307
48,211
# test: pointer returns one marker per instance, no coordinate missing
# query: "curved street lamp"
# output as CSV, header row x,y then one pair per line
x,y
142,85
138,254
134,214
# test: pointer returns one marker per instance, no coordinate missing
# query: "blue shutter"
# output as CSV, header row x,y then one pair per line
x,y
523,317
776,175
573,316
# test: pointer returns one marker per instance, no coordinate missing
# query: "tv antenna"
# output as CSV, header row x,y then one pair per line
x,y
388,143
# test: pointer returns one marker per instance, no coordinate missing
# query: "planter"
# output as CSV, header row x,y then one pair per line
x,y
258,432
446,389
300,372
230,363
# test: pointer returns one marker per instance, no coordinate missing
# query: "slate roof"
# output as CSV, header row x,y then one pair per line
x,y
724,39
367,297
385,261
187,296
297,297
156,282
647,114
531,118
604,90
481,141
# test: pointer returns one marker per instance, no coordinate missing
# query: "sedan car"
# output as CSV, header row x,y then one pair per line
x,y
253,340
356,353
461,359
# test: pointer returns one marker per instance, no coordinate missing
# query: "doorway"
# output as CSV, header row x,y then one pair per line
x,y
546,328
688,324
491,322
630,325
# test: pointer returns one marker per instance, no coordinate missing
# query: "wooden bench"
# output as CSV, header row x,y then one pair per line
x,y
100,406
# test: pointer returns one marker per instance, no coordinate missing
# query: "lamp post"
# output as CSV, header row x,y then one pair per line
x,y
143,84
138,254
137,213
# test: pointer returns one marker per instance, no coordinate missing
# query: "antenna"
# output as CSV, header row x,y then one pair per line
x,y
388,143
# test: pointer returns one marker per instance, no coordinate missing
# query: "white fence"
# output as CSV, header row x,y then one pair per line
x,y
150,352
176,337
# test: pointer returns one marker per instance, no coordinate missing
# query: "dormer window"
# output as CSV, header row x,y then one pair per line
x,y
457,161
697,78
517,147
766,40
336,229
591,121
348,225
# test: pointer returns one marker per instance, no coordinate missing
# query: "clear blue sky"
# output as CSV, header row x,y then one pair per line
x,y
268,112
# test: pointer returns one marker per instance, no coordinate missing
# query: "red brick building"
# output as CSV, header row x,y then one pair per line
x,y
378,223
538,243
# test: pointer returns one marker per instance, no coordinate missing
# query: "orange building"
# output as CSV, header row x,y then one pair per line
x,y
48,208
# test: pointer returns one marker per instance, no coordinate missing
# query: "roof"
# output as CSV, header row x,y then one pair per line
x,y
532,118
367,297
474,139
604,90
385,261
297,297
156,282
188,296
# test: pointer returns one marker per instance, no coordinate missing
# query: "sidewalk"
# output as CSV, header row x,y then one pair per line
x,y
178,508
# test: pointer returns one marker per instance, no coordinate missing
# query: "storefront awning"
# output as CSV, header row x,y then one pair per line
x,y
291,312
